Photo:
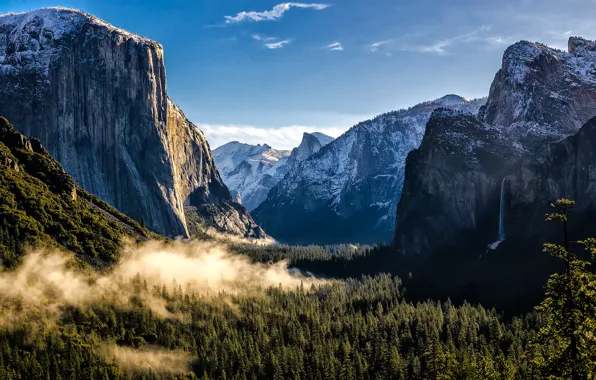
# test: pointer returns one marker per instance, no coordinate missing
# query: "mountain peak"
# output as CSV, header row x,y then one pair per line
x,y
519,56
60,21
450,100
110,83
323,138
579,44
315,137
535,77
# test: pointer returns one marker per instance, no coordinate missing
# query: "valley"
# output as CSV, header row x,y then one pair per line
x,y
449,240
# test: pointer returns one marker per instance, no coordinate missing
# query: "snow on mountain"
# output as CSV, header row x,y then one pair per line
x,y
323,138
95,95
311,143
354,182
450,100
542,94
251,171
517,151
36,54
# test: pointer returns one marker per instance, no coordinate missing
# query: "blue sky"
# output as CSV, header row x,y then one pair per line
x,y
265,71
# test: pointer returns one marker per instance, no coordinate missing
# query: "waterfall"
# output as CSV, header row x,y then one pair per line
x,y
502,212
501,236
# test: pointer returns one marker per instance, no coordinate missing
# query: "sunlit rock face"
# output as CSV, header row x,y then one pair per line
x,y
95,96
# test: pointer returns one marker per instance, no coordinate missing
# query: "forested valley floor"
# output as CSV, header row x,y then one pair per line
x,y
102,308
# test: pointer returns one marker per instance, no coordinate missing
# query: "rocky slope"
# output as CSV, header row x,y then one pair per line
x,y
311,143
542,94
539,96
450,183
96,97
568,170
40,205
252,170
348,191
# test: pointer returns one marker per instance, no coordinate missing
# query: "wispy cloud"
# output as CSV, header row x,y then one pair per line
x,y
558,39
281,138
499,40
271,42
442,47
274,14
260,37
336,46
374,47
277,45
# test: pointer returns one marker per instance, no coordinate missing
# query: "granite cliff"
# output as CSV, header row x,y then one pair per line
x,y
475,182
95,96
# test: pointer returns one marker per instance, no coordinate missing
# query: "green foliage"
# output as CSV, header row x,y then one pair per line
x,y
41,206
358,329
569,335
297,255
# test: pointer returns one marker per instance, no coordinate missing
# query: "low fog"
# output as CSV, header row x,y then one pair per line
x,y
148,359
46,281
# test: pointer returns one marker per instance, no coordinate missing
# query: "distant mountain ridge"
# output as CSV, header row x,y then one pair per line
x,y
251,171
349,190
95,96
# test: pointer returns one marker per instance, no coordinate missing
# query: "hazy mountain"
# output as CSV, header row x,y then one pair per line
x,y
348,191
252,170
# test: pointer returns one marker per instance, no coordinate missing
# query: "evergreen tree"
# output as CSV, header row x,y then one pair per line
x,y
568,339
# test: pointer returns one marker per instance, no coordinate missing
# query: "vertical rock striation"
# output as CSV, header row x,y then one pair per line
x,y
538,97
568,170
450,181
95,96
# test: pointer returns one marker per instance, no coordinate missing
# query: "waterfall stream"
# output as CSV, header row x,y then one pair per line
x,y
501,236
502,212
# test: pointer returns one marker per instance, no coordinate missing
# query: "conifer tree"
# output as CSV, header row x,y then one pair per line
x,y
568,339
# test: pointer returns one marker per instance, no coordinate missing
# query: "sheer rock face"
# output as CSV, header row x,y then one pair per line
x,y
96,97
450,182
348,191
539,96
568,171
311,143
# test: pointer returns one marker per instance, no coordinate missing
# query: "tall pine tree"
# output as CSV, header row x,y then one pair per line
x,y
568,339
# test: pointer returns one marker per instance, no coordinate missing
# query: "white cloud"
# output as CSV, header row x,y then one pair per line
x,y
260,37
336,46
558,40
280,138
271,42
277,45
437,48
499,40
374,47
274,14
442,47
